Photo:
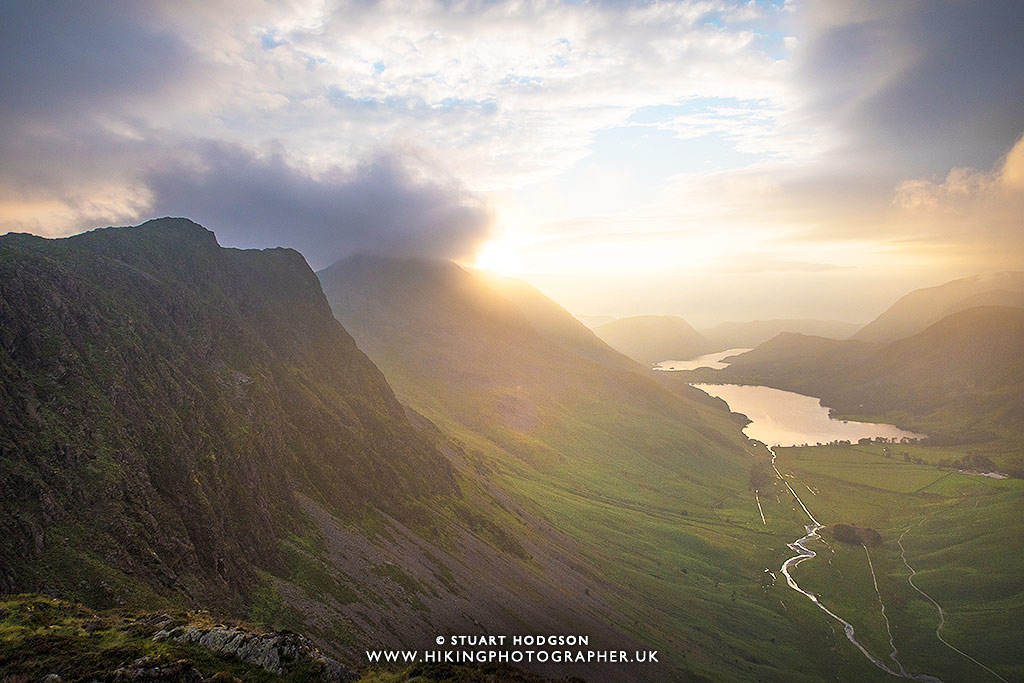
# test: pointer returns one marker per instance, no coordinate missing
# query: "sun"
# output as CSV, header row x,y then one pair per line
x,y
498,256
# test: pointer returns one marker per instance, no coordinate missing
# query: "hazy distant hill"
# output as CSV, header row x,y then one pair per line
x,y
922,307
790,354
653,338
593,321
961,378
165,407
731,335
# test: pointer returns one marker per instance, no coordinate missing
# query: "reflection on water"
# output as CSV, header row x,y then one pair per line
x,y
708,360
784,418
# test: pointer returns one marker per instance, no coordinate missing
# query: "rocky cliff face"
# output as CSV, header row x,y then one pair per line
x,y
162,402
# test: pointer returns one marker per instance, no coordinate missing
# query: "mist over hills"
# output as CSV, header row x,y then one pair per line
x,y
652,338
729,335
922,307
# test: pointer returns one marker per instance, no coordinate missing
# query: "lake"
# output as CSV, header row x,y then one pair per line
x,y
785,418
708,360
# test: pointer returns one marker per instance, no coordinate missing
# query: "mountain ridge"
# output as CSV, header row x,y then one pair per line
x,y
169,376
650,339
915,311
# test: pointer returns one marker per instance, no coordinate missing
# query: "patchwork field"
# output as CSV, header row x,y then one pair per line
x,y
959,532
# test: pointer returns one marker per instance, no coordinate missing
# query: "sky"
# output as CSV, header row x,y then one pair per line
x,y
715,159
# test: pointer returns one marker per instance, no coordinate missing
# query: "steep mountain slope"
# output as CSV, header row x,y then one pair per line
x,y
554,323
791,355
653,338
165,402
441,333
183,425
923,307
731,335
651,487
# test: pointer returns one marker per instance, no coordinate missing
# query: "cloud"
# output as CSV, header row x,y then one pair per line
x,y
977,211
908,86
378,206
505,93
779,130
68,60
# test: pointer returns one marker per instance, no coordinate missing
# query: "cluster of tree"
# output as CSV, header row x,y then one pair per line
x,y
971,461
760,475
855,535
884,439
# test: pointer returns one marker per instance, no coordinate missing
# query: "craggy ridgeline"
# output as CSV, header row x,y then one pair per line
x,y
184,427
165,404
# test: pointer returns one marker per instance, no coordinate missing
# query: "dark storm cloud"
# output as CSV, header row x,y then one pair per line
x,y
253,201
85,86
922,84
65,59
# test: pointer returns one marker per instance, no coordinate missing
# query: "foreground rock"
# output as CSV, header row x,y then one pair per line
x,y
278,653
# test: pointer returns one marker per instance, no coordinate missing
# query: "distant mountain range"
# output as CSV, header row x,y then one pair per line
x,y
652,338
923,307
731,335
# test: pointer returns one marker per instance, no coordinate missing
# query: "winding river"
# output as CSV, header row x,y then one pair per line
x,y
804,553
784,418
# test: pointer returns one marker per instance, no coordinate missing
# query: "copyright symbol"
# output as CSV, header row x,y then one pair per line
x,y
439,640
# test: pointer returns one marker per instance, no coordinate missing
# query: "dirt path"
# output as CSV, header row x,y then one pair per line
x,y
942,616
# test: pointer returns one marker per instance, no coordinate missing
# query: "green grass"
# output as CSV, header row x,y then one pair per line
x,y
668,521
958,536
41,635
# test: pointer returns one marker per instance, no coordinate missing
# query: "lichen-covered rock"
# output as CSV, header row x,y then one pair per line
x,y
278,653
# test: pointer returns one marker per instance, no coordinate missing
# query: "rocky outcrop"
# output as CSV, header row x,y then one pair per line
x,y
154,669
277,653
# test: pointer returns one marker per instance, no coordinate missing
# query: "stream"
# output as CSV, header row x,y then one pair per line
x,y
804,553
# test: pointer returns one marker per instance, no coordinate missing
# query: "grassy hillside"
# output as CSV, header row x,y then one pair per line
x,y
650,487
652,338
950,528
923,307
